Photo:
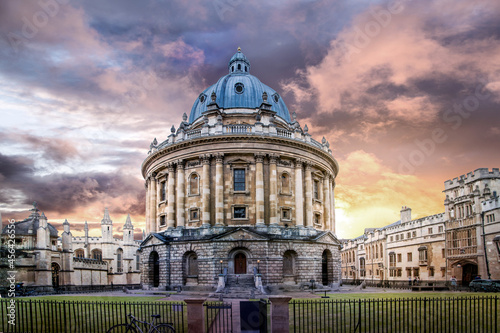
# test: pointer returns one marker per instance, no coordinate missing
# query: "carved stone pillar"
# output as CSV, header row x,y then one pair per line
x,y
147,187
171,196
259,187
180,194
219,189
326,201
332,200
205,194
273,189
299,196
152,201
309,206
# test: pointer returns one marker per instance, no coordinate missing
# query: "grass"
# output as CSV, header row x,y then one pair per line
x,y
396,312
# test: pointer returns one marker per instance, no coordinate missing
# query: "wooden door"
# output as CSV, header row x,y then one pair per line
x,y
240,264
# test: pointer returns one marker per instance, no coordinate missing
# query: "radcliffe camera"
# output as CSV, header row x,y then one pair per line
x,y
238,166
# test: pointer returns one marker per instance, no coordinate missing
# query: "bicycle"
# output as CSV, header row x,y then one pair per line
x,y
132,327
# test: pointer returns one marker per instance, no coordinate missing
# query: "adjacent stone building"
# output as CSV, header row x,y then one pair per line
x,y
240,187
463,241
46,261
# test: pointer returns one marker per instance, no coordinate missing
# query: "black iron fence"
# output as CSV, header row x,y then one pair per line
x,y
81,316
461,314
218,317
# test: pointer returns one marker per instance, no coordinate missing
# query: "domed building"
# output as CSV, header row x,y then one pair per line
x,y
239,188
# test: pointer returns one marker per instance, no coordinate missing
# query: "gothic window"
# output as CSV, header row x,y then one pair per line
x,y
79,253
362,266
119,261
239,180
97,254
285,183
137,261
194,184
422,255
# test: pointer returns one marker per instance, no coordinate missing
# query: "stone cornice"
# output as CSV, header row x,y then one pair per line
x,y
237,138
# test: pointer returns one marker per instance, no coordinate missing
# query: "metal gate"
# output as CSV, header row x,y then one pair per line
x,y
218,317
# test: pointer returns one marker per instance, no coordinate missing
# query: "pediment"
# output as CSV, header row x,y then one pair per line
x,y
152,239
238,161
327,237
240,234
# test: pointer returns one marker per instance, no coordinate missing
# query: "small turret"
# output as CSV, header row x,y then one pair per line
x,y
66,237
107,227
128,231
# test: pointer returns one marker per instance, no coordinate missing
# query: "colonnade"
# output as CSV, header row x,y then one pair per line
x,y
176,191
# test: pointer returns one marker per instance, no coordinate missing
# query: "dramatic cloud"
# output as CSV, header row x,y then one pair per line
x,y
407,92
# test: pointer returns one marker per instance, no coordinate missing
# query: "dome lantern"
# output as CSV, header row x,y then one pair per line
x,y
239,63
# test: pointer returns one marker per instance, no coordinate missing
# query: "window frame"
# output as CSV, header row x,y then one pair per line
x,y
246,218
190,188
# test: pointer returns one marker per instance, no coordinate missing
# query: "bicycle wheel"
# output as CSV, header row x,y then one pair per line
x,y
122,328
164,328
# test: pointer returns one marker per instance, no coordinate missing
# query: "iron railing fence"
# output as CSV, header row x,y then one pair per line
x,y
460,314
83,316
218,317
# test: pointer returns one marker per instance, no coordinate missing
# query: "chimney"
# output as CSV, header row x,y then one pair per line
x,y
405,214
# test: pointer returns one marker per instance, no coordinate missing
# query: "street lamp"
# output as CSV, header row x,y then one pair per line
x,y
221,266
258,266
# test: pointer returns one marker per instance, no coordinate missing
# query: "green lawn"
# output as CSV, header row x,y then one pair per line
x,y
396,312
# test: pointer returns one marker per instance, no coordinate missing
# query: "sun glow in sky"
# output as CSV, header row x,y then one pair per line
x,y
407,93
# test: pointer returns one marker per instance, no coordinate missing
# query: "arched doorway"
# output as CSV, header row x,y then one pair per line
x,y
55,275
324,268
190,268
469,272
154,264
240,263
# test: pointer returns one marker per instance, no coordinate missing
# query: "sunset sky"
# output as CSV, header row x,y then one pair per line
x,y
407,93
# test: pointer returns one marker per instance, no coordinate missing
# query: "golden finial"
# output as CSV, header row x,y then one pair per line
x,y
239,49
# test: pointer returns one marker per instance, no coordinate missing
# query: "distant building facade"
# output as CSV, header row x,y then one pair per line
x,y
462,242
45,260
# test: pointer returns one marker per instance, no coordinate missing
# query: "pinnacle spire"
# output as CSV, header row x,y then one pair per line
x,y
106,219
128,223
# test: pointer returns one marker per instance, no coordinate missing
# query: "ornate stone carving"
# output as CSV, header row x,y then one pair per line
x,y
180,164
259,157
273,158
205,158
219,157
171,167
194,163
172,130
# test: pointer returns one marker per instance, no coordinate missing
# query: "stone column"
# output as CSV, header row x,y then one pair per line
x,y
326,201
259,188
180,194
309,206
299,197
280,314
332,200
147,186
219,189
205,190
171,196
195,314
273,189
152,200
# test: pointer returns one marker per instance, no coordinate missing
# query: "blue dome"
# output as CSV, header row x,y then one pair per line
x,y
239,89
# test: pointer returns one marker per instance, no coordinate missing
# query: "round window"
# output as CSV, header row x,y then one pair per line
x,y
239,87
276,98
202,98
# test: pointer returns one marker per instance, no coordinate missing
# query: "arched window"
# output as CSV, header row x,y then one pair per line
x,y
154,268
194,184
289,263
80,253
239,67
97,254
192,265
232,68
381,251
246,69
285,183
137,260
119,261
